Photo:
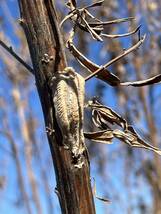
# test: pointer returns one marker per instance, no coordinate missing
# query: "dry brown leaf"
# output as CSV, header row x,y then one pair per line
x,y
104,136
102,114
104,75
150,81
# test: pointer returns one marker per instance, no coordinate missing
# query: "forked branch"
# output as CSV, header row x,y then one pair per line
x,y
129,50
103,75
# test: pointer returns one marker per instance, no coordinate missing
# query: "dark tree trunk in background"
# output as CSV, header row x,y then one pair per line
x,y
39,22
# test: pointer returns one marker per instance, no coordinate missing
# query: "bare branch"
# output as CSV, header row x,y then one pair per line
x,y
95,28
116,21
134,47
66,18
97,4
91,31
78,15
104,75
19,59
121,35
98,197
150,81
90,15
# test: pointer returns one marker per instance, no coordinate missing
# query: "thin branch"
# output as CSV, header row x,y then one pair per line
x,y
98,197
121,35
66,18
78,15
97,4
91,31
19,59
98,27
116,21
104,75
134,47
139,83
90,15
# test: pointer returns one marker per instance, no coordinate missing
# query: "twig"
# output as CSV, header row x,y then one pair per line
x,y
104,75
121,35
139,83
91,31
98,197
134,47
66,18
19,59
96,4
78,15
115,21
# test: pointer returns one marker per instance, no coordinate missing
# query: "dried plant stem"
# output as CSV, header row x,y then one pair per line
x,y
134,47
44,37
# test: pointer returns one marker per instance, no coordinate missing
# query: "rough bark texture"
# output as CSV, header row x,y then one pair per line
x,y
38,18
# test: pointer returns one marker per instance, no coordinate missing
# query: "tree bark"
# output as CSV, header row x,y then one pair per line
x,y
39,20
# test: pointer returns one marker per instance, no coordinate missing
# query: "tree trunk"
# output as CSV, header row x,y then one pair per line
x,y
39,21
